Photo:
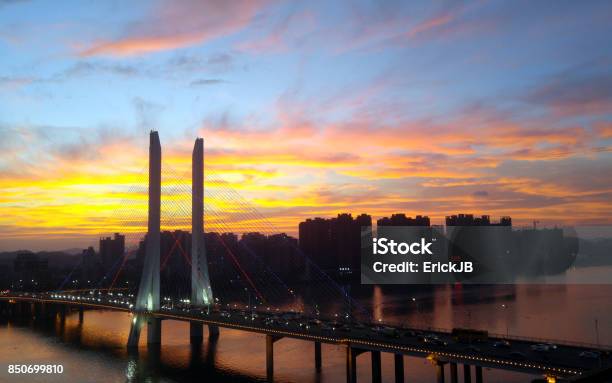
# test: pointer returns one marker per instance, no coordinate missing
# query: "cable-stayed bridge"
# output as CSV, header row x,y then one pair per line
x,y
212,280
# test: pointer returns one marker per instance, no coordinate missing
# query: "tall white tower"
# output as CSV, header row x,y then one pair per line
x,y
201,291
148,291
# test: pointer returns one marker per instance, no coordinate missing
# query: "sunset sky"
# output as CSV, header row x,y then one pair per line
x,y
307,109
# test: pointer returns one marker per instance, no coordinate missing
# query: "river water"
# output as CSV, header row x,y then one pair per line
x,y
94,351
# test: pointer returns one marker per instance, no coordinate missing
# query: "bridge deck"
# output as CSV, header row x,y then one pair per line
x,y
564,361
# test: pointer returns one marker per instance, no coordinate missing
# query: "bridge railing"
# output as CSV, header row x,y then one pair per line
x,y
560,342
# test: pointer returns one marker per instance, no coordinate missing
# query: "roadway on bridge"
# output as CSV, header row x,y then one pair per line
x,y
516,355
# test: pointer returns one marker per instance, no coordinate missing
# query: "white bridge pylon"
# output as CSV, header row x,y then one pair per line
x,y
201,290
148,297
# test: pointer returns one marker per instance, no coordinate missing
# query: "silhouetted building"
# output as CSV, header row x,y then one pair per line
x,y
278,252
401,220
283,256
315,241
5,276
89,271
31,271
471,220
112,250
334,244
175,261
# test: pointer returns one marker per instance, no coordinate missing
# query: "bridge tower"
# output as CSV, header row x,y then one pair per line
x,y
148,298
201,291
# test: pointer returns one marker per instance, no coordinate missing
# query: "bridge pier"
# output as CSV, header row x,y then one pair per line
x,y
478,374
376,367
135,327
62,312
467,374
270,339
351,363
213,332
23,310
453,373
81,314
196,332
439,372
317,350
399,368
44,310
154,331
39,310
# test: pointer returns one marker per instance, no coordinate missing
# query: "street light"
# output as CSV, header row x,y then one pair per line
x,y
504,307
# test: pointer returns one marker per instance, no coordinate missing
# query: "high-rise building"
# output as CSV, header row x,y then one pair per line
x,y
401,220
334,244
283,257
471,220
112,250
315,241
31,271
89,272
175,250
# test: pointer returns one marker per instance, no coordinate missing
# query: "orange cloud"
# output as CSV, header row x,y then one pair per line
x,y
322,169
172,25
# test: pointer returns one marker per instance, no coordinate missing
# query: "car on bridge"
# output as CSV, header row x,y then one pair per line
x,y
541,347
590,354
502,344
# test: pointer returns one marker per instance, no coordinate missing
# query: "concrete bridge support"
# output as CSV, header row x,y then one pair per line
x,y
135,327
81,313
62,309
439,372
399,368
39,310
24,309
467,374
213,332
196,332
351,363
154,330
317,355
478,374
270,339
453,373
376,367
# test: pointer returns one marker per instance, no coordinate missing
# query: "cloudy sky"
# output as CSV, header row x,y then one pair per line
x,y
307,109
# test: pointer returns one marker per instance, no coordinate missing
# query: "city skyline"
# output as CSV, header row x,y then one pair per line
x,y
435,119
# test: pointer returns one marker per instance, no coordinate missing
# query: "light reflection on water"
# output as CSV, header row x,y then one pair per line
x,y
94,351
